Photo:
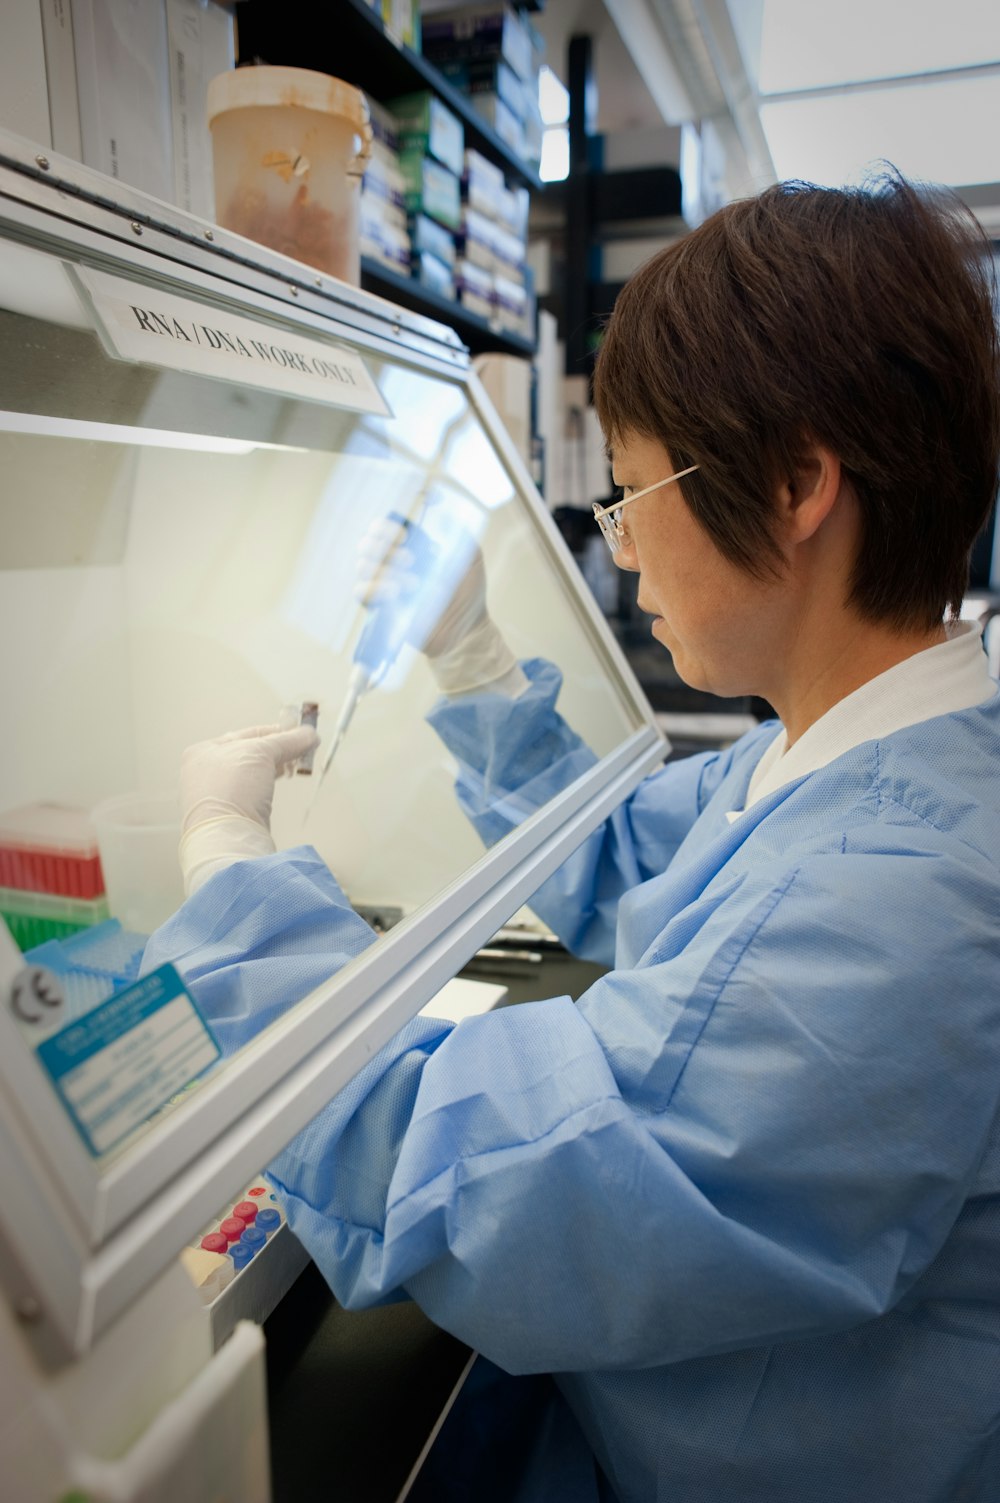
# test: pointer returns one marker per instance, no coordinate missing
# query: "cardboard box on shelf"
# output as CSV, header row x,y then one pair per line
x,y
534,129
512,206
427,235
511,300
431,189
434,274
488,76
475,288
509,253
127,85
382,238
60,71
201,42
123,83
501,119
487,33
476,236
508,380
428,126
482,183
385,126
401,19
513,307
383,180
538,49
24,95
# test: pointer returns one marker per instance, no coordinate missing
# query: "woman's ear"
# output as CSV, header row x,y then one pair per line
x,y
807,497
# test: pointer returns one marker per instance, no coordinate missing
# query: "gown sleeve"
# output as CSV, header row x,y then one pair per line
x,y
765,1135
763,1131
513,756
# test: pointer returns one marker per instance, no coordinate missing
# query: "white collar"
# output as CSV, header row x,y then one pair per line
x,y
953,675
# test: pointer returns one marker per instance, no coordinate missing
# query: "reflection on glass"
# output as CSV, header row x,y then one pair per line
x,y
156,596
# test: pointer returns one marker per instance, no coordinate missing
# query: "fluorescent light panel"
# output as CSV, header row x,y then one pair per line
x,y
810,44
120,433
943,132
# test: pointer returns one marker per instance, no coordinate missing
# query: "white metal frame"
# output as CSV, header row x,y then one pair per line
x,y
78,1240
75,205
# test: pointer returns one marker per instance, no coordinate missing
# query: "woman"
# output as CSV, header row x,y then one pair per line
x,y
743,1200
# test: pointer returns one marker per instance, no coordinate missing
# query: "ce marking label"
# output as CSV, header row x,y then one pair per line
x,y
36,996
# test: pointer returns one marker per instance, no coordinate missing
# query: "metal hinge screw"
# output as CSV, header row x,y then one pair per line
x,y
42,162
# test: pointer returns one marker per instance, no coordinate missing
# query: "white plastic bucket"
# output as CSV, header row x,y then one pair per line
x,y
137,836
289,149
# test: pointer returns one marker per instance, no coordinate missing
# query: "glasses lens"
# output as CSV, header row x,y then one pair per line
x,y
611,528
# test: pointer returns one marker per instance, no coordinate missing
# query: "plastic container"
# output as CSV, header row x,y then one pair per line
x,y
289,149
50,848
138,835
34,917
90,965
106,950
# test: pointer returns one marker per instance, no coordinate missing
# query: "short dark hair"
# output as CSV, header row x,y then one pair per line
x,y
859,318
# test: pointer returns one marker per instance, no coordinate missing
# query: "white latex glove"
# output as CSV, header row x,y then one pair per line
x,y
461,642
226,792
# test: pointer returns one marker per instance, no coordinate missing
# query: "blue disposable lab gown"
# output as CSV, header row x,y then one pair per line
x,y
744,1198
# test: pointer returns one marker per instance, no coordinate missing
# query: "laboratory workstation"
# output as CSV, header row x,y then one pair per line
x,y
199,443
499,835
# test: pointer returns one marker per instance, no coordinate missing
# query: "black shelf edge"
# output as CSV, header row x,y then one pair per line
x,y
475,333
349,40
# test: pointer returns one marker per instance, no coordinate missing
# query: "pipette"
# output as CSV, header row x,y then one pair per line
x,y
357,684
384,633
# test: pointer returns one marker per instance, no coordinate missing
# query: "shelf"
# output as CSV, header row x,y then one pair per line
x,y
346,38
474,332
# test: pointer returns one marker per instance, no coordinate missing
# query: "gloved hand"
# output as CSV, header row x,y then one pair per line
x,y
226,792
400,568
446,598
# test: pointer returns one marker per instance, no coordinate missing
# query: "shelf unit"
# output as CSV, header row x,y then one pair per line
x,y
474,332
347,38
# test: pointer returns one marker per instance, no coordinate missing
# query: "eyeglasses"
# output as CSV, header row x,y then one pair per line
x,y
609,518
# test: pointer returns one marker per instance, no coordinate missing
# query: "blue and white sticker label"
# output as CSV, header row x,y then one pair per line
x,y
129,1056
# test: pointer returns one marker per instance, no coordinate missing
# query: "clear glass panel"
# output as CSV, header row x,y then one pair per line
x,y
179,559
808,44
941,132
